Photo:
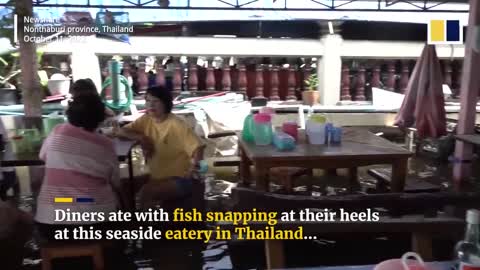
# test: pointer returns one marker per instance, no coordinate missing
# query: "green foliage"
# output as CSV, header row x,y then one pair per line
x,y
312,82
6,22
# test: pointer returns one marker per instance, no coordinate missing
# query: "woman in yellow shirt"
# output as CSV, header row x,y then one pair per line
x,y
172,149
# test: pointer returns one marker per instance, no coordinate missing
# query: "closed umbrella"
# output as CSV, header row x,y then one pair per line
x,y
424,104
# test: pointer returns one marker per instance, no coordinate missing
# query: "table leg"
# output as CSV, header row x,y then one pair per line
x,y
274,254
262,177
245,175
422,244
399,173
131,179
353,179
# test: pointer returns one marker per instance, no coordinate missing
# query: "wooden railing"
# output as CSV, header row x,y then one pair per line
x,y
275,82
359,76
287,81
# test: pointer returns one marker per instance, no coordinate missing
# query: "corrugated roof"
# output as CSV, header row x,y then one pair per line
x,y
177,15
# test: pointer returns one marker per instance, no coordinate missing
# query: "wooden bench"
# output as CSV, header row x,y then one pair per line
x,y
421,226
412,184
50,252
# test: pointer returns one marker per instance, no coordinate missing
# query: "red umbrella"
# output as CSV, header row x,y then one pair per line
x,y
424,104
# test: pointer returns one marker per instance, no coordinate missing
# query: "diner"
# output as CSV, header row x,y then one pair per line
x,y
79,163
86,87
172,150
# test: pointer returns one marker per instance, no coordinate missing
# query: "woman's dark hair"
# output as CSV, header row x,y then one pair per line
x,y
164,95
86,111
83,87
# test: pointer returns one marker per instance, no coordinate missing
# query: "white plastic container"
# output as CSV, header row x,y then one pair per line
x,y
315,132
58,85
316,138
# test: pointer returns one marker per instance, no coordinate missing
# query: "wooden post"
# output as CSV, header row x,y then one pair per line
x,y
391,76
376,76
274,83
210,81
32,91
291,84
404,77
177,77
226,79
468,96
192,77
345,94
360,94
259,81
242,79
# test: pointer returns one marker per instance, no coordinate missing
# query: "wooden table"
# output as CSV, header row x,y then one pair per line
x,y
123,148
358,148
8,158
469,138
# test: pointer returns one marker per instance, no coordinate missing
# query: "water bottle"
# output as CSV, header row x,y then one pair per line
x,y
468,250
336,135
328,133
263,132
283,142
248,129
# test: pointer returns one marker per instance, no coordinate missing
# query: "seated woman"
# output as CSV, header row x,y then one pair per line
x,y
172,149
87,87
79,163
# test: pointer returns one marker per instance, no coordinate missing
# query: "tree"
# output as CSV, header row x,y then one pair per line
x,y
32,92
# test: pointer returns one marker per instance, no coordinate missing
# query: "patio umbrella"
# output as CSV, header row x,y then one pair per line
x,y
424,104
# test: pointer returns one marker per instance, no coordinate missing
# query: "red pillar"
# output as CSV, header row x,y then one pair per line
x,y
292,83
259,81
192,77
391,76
345,87
210,81
226,79
360,93
404,78
376,76
177,77
242,79
468,97
274,83
160,77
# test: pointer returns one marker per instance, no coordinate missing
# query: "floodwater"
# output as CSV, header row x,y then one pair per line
x,y
222,255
